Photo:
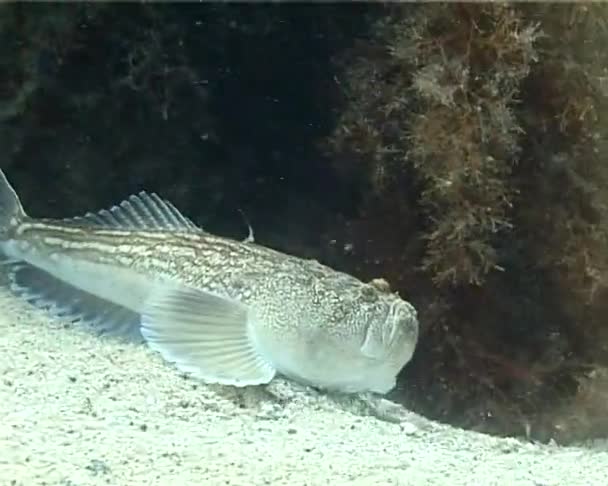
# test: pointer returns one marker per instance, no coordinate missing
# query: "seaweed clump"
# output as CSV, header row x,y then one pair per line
x,y
476,129
563,216
450,77
464,135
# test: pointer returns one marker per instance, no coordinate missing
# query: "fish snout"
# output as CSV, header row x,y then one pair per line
x,y
407,319
402,328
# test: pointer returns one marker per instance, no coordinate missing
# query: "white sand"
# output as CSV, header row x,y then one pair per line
x,y
76,410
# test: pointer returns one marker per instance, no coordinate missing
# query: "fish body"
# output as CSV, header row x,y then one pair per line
x,y
225,311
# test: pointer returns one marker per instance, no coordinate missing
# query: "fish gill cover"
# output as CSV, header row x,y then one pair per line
x,y
456,150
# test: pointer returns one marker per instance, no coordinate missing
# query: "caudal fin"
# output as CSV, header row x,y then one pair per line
x,y
11,211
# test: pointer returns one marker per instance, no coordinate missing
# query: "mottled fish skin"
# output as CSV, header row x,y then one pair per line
x,y
226,311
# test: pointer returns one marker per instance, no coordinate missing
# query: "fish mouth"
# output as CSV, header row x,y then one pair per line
x,y
393,337
401,326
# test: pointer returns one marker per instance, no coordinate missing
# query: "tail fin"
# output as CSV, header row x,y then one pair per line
x,y
11,211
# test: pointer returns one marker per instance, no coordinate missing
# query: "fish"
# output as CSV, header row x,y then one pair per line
x,y
221,310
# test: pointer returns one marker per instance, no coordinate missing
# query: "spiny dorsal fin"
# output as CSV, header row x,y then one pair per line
x,y
250,236
142,211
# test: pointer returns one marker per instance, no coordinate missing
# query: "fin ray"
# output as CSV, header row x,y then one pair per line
x,y
205,335
11,210
139,211
64,301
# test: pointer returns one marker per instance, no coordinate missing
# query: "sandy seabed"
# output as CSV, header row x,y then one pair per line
x,y
76,410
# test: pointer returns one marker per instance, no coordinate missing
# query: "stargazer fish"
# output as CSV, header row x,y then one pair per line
x,y
226,311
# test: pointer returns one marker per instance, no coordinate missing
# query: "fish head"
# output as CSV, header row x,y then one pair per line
x,y
334,331
388,333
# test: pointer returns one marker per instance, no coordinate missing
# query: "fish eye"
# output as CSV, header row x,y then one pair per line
x,y
369,295
381,284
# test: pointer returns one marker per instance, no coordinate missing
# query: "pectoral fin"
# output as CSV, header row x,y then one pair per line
x,y
204,335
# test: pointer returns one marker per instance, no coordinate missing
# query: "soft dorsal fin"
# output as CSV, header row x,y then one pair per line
x,y
142,211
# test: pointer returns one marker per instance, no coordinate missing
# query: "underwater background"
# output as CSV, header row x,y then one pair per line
x,y
456,150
